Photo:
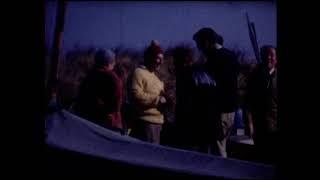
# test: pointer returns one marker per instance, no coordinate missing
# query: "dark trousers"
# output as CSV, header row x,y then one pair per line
x,y
147,131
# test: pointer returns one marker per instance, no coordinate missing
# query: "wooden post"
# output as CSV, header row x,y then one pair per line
x,y
57,42
253,38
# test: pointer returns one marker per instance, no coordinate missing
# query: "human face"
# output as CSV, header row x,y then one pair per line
x,y
112,65
200,45
109,67
271,58
189,60
204,46
157,61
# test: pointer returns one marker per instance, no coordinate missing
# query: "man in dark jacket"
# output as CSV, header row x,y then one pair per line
x,y
222,65
263,104
195,91
100,95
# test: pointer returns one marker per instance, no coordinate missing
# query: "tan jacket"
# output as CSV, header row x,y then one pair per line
x,y
146,88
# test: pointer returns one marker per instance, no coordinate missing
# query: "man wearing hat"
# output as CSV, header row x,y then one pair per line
x,y
147,93
222,65
100,94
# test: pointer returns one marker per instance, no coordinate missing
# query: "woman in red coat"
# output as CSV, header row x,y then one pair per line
x,y
101,93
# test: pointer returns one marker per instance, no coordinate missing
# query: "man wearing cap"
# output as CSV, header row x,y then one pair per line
x,y
100,94
222,65
147,92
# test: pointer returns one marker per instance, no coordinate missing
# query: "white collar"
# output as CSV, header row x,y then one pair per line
x,y
217,46
272,70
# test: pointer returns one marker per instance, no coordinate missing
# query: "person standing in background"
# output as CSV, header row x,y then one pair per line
x,y
262,99
221,64
101,93
147,94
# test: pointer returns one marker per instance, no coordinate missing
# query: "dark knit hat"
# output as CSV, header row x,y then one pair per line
x,y
104,57
206,34
153,50
219,40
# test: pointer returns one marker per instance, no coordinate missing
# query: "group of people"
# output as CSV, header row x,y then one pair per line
x,y
206,96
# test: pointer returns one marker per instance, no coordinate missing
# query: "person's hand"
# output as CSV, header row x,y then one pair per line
x,y
162,100
162,104
165,95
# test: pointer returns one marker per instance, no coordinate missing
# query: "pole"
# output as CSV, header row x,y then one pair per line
x,y
253,38
57,42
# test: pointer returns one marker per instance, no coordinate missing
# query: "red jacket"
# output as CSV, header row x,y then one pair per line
x,y
100,99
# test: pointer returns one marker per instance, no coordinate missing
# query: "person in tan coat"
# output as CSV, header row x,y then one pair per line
x,y
147,92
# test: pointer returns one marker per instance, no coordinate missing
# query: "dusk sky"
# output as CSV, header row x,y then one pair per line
x,y
135,24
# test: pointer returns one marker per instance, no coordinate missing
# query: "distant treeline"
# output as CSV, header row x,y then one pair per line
x,y
75,64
